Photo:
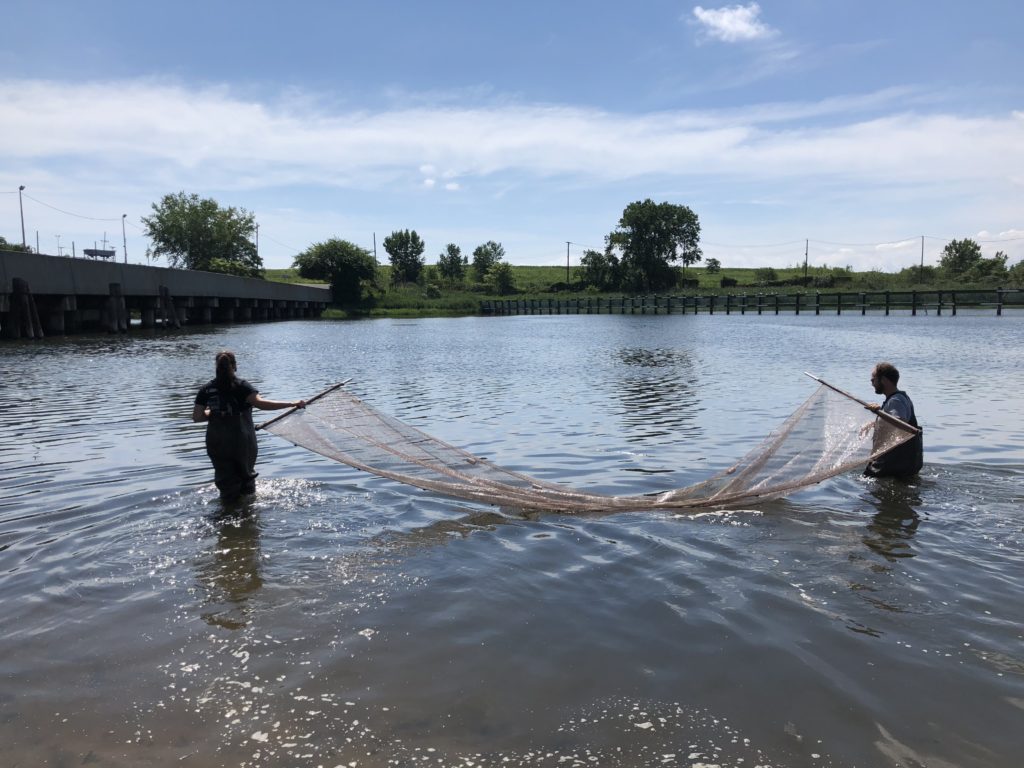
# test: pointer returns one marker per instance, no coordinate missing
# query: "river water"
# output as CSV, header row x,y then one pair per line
x,y
338,619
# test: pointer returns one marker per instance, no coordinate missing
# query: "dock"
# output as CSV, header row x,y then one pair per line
x,y
935,302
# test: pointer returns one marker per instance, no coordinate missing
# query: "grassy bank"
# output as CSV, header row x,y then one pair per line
x,y
435,299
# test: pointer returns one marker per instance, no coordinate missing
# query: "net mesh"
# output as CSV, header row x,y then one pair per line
x,y
829,434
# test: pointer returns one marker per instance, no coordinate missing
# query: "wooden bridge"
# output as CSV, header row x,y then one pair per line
x,y
54,295
913,302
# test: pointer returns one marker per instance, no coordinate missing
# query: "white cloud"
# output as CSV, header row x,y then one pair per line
x,y
176,136
733,23
846,167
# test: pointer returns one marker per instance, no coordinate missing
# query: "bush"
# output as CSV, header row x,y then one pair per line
x,y
500,280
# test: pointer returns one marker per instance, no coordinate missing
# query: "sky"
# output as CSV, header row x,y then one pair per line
x,y
864,134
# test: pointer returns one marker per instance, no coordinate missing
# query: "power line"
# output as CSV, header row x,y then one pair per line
x,y
914,239
1003,240
278,242
69,213
581,245
762,245
788,243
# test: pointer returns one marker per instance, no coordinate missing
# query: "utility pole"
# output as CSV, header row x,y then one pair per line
x,y
375,248
257,241
21,208
124,237
807,247
921,277
566,262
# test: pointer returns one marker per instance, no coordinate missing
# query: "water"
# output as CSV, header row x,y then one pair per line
x,y
341,619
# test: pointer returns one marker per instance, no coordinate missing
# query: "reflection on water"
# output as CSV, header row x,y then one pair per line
x,y
894,524
231,573
657,389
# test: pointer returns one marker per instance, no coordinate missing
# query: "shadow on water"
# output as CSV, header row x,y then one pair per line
x,y
231,572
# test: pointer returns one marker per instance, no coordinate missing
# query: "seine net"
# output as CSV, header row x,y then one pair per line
x,y
829,434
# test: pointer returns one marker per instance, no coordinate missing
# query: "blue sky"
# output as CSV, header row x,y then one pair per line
x,y
857,126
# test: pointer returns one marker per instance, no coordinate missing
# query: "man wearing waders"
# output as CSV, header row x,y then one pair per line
x,y
225,404
904,460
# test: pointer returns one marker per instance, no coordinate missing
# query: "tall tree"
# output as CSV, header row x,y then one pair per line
x,y
196,233
486,256
600,270
405,249
653,236
959,256
962,259
452,264
348,267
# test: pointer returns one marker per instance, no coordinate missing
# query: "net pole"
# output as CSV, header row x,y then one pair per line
x,y
327,391
873,408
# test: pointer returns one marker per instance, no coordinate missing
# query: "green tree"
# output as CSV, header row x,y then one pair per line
x,y
405,249
959,256
1015,275
962,261
600,270
918,275
196,233
486,256
713,266
451,264
765,275
991,271
348,267
651,237
500,279
6,245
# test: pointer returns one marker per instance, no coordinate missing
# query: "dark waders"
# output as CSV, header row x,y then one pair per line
x,y
231,446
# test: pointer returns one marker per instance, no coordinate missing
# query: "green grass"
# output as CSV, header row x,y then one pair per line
x,y
534,282
288,276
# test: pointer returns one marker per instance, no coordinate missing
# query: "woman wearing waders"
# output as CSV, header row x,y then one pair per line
x,y
225,404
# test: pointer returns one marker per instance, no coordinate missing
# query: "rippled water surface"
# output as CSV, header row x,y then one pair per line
x,y
342,619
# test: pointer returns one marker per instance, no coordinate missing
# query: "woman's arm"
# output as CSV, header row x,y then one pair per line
x,y
272,405
200,413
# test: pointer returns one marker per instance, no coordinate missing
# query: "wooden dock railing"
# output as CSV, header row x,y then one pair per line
x,y
926,302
